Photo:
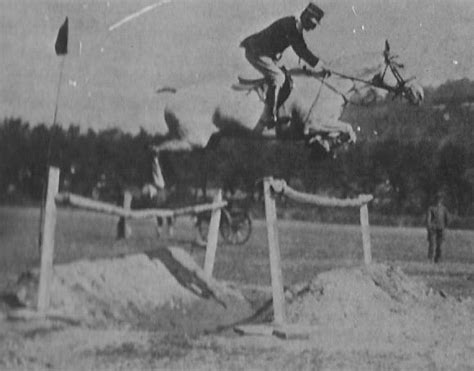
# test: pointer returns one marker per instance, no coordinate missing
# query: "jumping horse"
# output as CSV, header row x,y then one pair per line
x,y
198,115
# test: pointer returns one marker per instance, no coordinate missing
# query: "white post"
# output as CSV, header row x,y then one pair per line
x,y
212,237
364,224
47,241
275,259
123,230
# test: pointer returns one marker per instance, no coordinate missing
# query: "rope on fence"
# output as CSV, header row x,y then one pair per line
x,y
103,207
49,225
273,187
280,186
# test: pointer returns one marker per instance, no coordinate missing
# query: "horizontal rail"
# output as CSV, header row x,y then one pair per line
x,y
104,207
280,186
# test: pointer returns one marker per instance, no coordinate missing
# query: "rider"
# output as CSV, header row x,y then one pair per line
x,y
263,50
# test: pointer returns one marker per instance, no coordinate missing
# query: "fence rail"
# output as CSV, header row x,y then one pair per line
x,y
273,187
280,187
49,226
106,208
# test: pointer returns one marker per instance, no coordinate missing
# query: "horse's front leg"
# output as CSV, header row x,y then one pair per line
x,y
331,136
349,131
332,128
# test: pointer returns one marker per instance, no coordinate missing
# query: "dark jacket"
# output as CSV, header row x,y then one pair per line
x,y
273,40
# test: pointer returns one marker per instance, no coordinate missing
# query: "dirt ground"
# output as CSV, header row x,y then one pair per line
x,y
158,311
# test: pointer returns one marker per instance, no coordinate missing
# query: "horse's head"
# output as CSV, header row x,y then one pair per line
x,y
373,77
360,80
388,79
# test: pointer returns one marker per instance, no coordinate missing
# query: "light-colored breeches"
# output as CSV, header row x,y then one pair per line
x,y
267,67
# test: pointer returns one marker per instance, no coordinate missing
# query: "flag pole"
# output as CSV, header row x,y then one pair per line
x,y
48,154
61,50
61,68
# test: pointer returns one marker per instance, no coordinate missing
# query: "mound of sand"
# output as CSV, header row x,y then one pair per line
x,y
161,290
380,308
355,297
356,318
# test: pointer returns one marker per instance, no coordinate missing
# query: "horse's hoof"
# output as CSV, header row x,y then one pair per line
x,y
155,149
160,184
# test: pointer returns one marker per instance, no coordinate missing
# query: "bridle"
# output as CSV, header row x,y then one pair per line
x,y
399,90
378,81
390,62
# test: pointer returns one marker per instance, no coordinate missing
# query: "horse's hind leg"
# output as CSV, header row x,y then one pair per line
x,y
157,174
160,225
174,145
170,223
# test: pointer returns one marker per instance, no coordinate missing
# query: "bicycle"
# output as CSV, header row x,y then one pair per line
x,y
235,225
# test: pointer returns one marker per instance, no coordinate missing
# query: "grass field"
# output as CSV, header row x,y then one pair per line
x,y
306,248
358,320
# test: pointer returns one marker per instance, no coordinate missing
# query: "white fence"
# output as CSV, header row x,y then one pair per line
x,y
53,197
273,187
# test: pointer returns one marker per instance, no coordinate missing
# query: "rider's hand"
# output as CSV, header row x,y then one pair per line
x,y
322,70
326,72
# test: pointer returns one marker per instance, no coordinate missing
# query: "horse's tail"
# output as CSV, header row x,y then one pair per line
x,y
166,89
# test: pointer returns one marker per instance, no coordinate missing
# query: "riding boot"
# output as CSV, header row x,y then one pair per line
x,y
270,116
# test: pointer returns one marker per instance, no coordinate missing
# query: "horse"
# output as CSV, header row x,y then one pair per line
x,y
197,116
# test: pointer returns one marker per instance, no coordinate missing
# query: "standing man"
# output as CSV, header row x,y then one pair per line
x,y
264,49
437,220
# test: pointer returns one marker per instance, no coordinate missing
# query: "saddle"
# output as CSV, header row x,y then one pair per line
x,y
249,84
261,87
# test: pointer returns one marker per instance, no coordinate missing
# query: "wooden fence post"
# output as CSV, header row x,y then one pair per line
x,y
47,241
274,250
212,237
364,224
123,230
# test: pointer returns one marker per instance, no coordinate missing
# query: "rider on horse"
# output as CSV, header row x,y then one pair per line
x,y
264,49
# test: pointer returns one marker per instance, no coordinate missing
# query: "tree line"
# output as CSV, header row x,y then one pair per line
x,y
404,156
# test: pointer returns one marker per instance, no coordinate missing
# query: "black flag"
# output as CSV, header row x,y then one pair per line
x,y
61,41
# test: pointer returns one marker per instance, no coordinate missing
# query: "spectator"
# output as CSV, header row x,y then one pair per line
x,y
437,220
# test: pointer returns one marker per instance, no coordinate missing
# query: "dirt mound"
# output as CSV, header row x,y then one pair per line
x,y
380,308
164,289
350,295
376,308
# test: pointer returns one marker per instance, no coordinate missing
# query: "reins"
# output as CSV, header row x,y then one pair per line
x,y
399,89
389,63
400,81
348,77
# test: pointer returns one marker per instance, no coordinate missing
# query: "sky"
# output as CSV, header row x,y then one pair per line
x,y
113,68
